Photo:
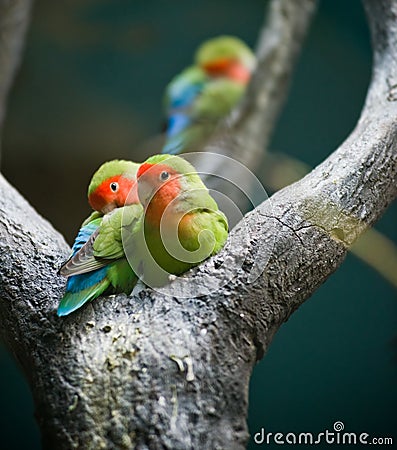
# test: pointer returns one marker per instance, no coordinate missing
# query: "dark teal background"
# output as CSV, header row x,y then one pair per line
x,y
90,89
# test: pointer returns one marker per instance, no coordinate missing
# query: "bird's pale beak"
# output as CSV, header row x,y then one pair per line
x,y
145,191
108,208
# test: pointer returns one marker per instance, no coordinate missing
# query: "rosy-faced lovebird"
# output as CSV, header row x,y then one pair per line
x,y
206,92
97,264
182,223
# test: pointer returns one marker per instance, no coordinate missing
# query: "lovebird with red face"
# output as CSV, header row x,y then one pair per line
x,y
96,265
181,224
203,94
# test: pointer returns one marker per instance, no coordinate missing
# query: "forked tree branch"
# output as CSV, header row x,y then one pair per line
x,y
160,371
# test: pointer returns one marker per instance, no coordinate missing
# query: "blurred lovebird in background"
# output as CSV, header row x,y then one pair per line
x,y
203,94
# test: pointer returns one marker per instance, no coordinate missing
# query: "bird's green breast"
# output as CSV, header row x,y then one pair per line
x,y
199,235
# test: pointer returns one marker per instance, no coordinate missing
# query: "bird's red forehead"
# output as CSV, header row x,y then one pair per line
x,y
230,68
153,169
143,168
218,65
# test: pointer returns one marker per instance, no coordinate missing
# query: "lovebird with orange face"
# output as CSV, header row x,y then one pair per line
x,y
203,94
181,225
96,265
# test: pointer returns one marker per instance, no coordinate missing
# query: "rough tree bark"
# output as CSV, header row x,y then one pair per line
x,y
161,371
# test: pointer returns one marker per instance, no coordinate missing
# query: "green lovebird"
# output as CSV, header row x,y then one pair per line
x,y
182,224
97,265
203,94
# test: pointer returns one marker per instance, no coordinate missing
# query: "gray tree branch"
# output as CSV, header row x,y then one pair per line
x,y
373,247
172,371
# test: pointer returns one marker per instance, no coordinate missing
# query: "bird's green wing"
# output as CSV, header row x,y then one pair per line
x,y
106,244
109,242
217,99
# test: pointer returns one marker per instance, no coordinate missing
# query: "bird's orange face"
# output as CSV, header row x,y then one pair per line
x,y
230,68
113,193
158,186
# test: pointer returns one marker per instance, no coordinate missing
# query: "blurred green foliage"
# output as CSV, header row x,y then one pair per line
x,y
90,89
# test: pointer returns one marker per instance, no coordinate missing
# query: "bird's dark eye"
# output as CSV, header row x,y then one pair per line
x,y
164,176
114,186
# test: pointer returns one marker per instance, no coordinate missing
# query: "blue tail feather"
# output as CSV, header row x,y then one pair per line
x,y
76,297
